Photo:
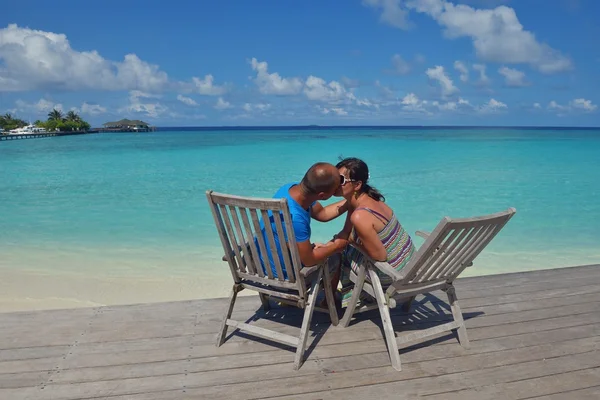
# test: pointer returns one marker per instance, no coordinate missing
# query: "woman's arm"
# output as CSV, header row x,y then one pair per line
x,y
332,211
370,242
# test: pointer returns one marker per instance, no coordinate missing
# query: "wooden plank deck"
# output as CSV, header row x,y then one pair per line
x,y
534,335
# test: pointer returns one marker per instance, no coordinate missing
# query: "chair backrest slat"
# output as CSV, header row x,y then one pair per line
x,y
232,238
243,239
251,234
249,243
295,255
452,246
458,250
223,237
287,264
474,252
425,273
271,242
261,242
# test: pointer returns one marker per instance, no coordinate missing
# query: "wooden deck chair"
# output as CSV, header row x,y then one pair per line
x,y
237,222
446,252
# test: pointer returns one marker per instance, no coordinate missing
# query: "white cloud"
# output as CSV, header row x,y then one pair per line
x,y
410,99
449,106
248,107
187,100
401,66
513,77
492,106
150,109
317,89
35,59
483,78
222,104
583,104
392,12
92,109
334,110
207,87
553,105
497,34
438,74
42,106
273,83
462,68
537,105
575,105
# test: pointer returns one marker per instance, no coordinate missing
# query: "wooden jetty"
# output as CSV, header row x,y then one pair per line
x,y
534,335
42,135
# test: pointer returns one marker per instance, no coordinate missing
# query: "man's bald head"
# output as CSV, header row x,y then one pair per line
x,y
322,177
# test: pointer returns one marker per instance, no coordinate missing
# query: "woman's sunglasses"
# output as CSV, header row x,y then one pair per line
x,y
343,180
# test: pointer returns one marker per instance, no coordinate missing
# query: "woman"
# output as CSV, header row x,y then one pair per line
x,y
370,225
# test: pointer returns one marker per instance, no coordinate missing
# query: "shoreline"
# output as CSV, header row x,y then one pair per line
x,y
29,289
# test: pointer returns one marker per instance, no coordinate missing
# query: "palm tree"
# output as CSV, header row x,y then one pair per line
x,y
55,115
73,116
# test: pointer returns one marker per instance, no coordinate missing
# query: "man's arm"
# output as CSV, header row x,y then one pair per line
x,y
311,255
332,211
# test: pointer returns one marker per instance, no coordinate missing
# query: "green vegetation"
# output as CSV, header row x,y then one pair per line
x,y
64,123
71,121
8,122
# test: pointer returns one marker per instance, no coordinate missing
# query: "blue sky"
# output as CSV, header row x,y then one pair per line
x,y
351,62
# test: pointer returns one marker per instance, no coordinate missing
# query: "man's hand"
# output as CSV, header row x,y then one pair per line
x,y
314,253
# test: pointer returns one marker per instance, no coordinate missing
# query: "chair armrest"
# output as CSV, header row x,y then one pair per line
x,y
423,234
382,266
306,271
224,258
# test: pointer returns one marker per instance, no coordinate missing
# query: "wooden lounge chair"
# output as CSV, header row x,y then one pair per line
x,y
446,252
237,221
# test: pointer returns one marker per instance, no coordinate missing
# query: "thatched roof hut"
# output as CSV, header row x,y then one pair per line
x,y
126,123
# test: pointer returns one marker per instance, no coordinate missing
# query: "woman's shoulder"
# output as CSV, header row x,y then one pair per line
x,y
373,210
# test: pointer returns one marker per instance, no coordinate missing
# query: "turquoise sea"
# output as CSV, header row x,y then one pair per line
x,y
134,205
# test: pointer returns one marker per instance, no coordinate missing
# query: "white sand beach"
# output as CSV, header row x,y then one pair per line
x,y
23,287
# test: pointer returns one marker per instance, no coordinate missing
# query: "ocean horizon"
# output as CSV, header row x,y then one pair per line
x,y
131,207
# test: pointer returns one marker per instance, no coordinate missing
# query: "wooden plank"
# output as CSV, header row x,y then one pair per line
x,y
591,393
213,386
566,385
378,383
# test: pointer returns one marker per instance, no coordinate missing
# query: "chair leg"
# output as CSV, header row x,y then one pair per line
x,y
406,305
308,312
264,299
457,314
329,295
223,329
386,321
358,287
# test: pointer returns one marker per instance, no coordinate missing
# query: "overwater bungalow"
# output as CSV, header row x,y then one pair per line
x,y
127,125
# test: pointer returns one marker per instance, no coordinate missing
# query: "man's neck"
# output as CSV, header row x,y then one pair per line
x,y
301,198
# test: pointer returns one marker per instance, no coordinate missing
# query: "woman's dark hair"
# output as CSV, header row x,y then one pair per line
x,y
358,171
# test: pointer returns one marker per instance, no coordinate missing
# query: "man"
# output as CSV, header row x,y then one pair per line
x,y
321,181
